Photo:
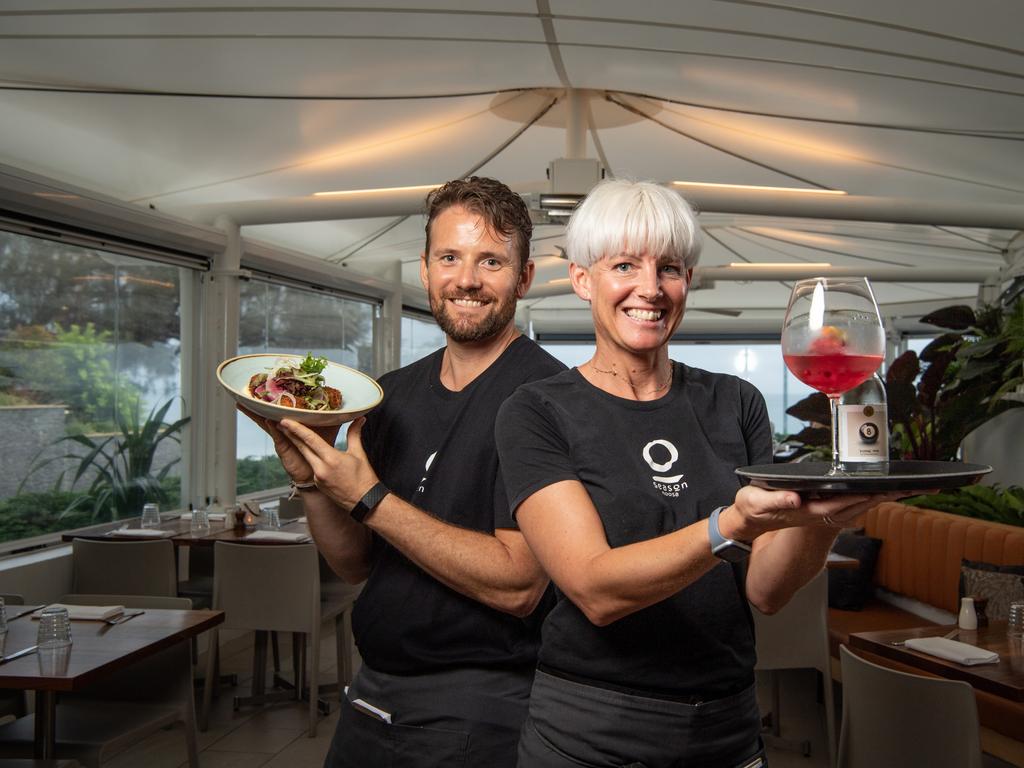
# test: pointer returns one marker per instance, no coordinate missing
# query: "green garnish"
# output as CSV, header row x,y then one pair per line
x,y
313,364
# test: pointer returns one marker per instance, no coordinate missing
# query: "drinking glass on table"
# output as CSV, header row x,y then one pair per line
x,y
54,629
200,523
832,339
271,519
150,516
54,640
1015,619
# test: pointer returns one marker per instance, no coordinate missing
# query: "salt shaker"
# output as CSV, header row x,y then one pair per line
x,y
968,619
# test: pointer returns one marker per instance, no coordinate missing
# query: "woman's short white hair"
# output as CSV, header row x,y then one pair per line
x,y
623,216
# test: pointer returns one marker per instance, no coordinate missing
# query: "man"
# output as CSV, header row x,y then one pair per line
x,y
447,623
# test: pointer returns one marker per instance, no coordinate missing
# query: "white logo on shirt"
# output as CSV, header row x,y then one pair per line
x,y
426,469
669,485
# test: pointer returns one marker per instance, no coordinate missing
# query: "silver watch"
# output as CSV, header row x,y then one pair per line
x,y
730,550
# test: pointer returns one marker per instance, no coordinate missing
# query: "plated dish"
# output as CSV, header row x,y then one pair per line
x,y
903,476
272,385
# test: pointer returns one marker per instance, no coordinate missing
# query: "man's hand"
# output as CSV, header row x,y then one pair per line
x,y
292,460
344,476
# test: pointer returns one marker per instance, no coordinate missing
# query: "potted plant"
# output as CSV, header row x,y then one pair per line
x,y
969,375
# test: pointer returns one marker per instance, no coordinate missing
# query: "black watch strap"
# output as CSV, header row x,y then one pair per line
x,y
369,502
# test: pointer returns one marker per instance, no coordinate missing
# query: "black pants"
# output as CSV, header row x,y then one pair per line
x,y
466,718
572,725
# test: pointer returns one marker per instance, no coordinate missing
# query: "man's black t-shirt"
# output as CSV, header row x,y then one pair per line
x,y
435,449
650,468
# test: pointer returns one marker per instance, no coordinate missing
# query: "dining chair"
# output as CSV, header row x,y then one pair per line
x,y
267,588
337,599
12,703
123,568
796,637
895,718
130,704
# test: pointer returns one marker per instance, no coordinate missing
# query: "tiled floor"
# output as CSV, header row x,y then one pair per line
x,y
274,736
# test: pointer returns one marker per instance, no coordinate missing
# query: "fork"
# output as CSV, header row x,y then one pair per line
x,y
948,636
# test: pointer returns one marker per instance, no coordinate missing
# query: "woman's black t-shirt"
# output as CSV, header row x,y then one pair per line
x,y
650,468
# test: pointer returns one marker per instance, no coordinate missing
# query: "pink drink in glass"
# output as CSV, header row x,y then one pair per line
x,y
833,373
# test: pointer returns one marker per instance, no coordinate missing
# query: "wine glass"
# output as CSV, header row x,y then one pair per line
x,y
832,339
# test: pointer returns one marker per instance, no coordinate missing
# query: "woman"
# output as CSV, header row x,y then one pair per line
x,y
614,469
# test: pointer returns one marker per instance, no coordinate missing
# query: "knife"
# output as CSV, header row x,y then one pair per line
x,y
25,611
19,654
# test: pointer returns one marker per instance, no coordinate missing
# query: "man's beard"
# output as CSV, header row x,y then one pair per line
x,y
499,315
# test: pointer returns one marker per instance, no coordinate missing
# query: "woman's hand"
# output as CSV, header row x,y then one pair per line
x,y
756,511
344,476
292,460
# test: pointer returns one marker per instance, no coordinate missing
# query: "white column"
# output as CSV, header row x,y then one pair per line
x,y
220,332
388,329
576,124
193,436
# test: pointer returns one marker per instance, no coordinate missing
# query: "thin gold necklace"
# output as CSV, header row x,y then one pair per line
x,y
615,373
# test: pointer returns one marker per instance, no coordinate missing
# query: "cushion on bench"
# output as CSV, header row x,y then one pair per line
x,y
922,550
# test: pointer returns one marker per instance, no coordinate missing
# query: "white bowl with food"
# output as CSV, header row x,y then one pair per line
x,y
305,388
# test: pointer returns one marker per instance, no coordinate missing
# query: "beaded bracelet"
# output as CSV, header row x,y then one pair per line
x,y
296,487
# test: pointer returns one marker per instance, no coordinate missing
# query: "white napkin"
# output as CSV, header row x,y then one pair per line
x,y
214,517
953,650
292,538
85,612
142,533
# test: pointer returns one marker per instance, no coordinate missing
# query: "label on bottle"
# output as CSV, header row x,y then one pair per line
x,y
863,433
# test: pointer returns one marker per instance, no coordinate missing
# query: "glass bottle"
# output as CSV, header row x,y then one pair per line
x,y
864,429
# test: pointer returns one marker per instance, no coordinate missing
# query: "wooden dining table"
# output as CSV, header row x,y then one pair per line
x,y
178,530
1004,679
98,650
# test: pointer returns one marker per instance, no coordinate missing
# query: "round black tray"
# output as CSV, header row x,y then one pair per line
x,y
903,476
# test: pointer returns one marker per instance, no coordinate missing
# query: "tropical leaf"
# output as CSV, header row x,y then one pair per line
x,y
813,408
956,318
943,343
120,465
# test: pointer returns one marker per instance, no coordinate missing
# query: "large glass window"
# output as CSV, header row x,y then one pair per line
x,y
89,352
760,364
420,336
279,318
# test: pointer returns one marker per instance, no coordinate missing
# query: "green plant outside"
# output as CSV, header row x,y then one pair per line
x,y
123,465
259,473
36,514
1001,505
72,366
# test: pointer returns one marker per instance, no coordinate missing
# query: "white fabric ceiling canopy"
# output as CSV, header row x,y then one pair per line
x,y
190,108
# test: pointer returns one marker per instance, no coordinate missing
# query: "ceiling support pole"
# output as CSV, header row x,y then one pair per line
x,y
388,333
220,331
576,123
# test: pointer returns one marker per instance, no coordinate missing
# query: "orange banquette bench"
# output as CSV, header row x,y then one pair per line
x,y
920,559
